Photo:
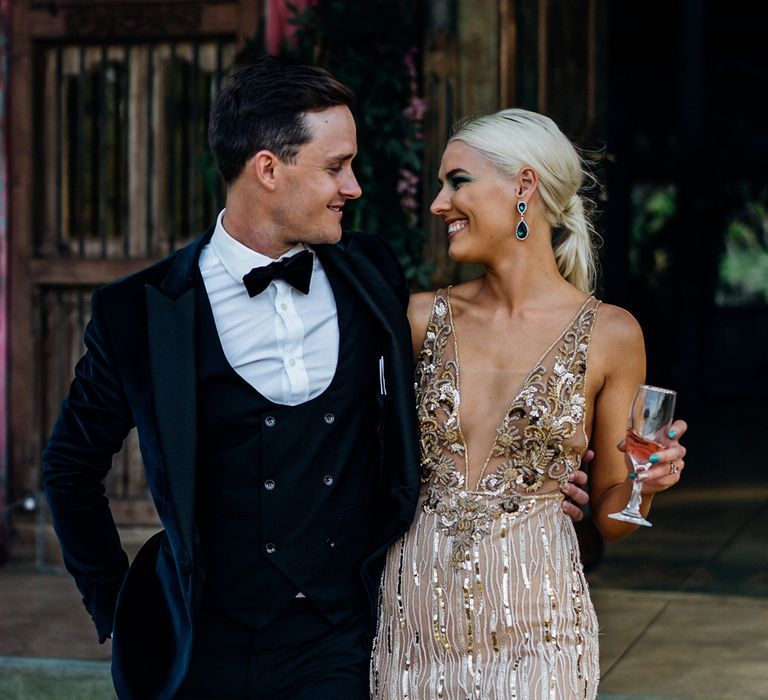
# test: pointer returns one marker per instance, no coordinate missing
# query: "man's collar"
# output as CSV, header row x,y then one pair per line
x,y
239,259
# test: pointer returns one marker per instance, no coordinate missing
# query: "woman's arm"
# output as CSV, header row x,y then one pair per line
x,y
619,355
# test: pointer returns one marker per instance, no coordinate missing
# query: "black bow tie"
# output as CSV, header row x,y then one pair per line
x,y
296,270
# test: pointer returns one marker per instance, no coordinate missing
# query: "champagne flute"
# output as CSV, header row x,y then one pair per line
x,y
649,418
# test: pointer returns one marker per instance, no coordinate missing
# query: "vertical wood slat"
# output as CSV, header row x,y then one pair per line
x,y
525,57
138,164
158,126
79,222
126,169
194,177
46,245
170,136
101,131
150,149
543,56
478,57
507,50
59,149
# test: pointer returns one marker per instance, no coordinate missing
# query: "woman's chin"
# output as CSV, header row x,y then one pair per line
x,y
459,252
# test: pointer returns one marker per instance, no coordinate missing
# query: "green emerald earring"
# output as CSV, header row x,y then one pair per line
x,y
522,228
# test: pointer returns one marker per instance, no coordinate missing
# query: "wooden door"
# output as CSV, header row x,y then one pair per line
x,y
109,172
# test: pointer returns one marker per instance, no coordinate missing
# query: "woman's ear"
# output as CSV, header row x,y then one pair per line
x,y
527,182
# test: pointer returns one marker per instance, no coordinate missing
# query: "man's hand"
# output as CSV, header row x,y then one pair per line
x,y
668,463
574,491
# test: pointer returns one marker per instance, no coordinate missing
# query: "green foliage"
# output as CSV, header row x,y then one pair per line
x,y
655,207
372,47
744,264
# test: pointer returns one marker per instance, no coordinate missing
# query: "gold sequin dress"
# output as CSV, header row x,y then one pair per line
x,y
485,596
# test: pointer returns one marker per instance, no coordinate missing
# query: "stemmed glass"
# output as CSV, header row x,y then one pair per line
x,y
649,418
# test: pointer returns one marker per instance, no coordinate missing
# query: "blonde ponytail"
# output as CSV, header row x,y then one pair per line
x,y
573,243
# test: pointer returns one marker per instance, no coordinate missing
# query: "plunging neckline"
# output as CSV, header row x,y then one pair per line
x,y
515,396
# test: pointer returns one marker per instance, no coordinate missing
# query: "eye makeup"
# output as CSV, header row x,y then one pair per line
x,y
457,181
456,178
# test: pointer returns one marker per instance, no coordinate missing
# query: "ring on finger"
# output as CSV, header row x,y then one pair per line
x,y
674,468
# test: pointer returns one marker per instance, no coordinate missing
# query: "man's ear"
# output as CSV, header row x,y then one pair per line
x,y
262,169
526,183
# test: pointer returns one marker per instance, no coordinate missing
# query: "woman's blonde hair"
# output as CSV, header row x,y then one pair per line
x,y
515,138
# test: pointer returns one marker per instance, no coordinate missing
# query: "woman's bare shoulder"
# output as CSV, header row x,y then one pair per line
x,y
617,337
617,325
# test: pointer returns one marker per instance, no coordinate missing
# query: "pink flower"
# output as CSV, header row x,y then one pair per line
x,y
416,109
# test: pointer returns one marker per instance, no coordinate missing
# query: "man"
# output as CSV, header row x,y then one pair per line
x,y
275,417
267,367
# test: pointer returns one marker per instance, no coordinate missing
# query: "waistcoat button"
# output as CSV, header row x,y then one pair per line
x,y
270,548
269,485
328,480
329,418
270,421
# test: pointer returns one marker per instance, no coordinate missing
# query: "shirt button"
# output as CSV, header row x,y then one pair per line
x,y
283,306
291,362
331,543
329,418
269,484
270,548
328,480
270,421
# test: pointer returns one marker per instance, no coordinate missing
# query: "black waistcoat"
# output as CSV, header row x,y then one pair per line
x,y
287,493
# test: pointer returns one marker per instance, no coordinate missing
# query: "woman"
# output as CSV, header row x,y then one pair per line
x,y
517,371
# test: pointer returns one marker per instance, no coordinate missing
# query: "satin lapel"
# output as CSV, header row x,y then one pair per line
x,y
171,332
367,281
172,358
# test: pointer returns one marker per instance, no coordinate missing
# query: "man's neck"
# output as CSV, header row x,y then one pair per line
x,y
253,232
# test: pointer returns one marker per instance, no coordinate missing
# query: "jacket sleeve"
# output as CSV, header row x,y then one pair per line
x,y
94,420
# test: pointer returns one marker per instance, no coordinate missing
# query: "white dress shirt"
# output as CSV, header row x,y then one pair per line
x,y
284,343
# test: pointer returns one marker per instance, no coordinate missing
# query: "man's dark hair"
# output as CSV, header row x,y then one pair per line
x,y
262,108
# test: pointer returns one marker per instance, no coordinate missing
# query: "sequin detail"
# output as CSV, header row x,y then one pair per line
x,y
485,596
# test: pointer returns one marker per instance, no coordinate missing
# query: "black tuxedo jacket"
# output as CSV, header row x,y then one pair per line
x,y
139,370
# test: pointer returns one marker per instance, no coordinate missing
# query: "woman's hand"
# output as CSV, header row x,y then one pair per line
x,y
668,463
